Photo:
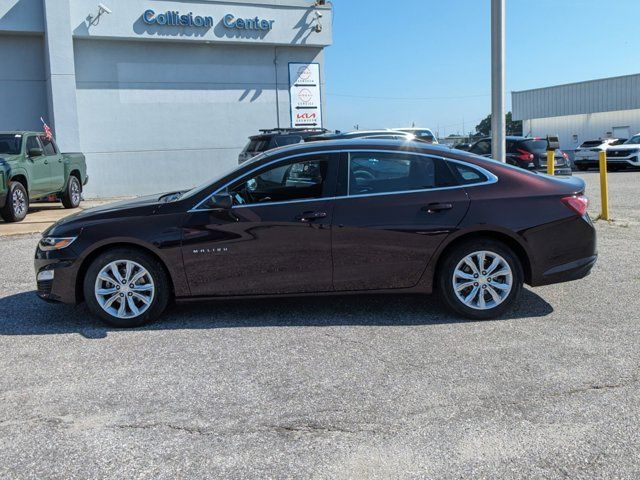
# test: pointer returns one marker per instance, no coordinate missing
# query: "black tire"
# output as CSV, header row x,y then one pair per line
x,y
160,297
447,268
582,168
14,210
71,196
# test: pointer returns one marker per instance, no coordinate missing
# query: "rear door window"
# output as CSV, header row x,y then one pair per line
x,y
377,172
48,146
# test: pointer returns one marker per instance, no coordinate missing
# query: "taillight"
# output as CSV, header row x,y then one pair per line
x,y
577,203
524,155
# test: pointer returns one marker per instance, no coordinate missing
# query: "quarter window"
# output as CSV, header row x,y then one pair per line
x,y
468,175
374,172
291,181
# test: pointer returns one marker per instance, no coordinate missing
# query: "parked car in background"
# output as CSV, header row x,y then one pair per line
x,y
384,134
31,167
587,154
462,146
626,155
529,153
273,138
302,220
424,134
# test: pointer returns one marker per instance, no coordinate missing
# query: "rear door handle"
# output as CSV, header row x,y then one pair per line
x,y
437,207
309,216
46,162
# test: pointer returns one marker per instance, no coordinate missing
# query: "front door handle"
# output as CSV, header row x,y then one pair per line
x,y
437,207
309,216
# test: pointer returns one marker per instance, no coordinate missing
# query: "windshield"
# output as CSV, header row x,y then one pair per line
x,y
591,143
205,185
10,144
635,140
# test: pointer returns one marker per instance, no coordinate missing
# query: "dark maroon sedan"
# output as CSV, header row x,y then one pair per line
x,y
327,218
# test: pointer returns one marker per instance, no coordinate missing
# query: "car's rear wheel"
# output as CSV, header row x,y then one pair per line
x,y
17,203
480,279
126,287
73,194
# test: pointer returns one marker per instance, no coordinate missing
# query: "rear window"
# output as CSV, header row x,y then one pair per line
x,y
258,144
535,145
282,140
591,143
10,144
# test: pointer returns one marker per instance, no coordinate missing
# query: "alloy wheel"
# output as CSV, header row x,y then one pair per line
x,y
19,202
75,192
482,280
124,289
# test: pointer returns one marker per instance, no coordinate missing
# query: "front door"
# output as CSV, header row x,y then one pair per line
x,y
275,240
398,209
56,167
38,168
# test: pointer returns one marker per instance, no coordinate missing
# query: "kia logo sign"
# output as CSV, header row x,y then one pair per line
x,y
306,116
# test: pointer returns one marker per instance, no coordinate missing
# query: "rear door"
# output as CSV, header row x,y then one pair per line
x,y
397,210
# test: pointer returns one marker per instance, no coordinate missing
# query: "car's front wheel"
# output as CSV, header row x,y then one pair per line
x,y
17,203
126,287
480,279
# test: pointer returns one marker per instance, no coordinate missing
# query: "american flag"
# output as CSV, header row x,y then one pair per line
x,y
47,130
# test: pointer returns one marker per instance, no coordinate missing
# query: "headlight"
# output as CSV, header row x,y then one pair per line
x,y
55,243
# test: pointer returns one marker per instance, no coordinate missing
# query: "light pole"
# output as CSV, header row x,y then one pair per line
x,y
498,126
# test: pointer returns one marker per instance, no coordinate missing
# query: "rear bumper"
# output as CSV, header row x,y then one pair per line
x,y
557,171
569,271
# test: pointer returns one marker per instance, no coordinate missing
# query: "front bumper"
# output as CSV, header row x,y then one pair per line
x,y
63,264
632,161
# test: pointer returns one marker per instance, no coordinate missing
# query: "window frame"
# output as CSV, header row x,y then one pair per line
x,y
338,159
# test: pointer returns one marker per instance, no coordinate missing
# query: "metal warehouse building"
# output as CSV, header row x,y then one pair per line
x,y
609,107
159,94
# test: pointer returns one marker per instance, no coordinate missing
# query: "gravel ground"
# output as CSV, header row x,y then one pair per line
x,y
351,387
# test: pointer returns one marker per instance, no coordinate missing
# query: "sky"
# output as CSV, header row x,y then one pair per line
x,y
427,62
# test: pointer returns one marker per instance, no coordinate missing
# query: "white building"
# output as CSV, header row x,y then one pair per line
x,y
159,94
604,108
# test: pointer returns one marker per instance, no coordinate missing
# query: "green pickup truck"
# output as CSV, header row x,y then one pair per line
x,y
32,167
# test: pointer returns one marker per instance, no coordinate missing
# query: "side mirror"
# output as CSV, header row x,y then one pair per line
x,y
223,201
35,152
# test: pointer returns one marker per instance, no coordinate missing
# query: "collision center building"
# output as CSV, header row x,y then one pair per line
x,y
160,95
576,112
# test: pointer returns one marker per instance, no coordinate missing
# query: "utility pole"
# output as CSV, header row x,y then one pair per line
x,y
498,124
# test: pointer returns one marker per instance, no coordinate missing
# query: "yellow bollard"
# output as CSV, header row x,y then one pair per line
x,y
604,185
551,162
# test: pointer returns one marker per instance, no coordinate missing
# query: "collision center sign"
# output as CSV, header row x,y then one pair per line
x,y
304,94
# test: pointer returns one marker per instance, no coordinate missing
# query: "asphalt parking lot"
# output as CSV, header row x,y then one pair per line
x,y
346,387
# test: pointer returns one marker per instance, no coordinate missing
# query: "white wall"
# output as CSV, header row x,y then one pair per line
x,y
585,127
23,98
159,116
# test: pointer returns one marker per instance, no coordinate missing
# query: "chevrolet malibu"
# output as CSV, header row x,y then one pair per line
x,y
326,218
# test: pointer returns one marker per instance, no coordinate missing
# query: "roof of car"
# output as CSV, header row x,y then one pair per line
x,y
21,132
358,143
